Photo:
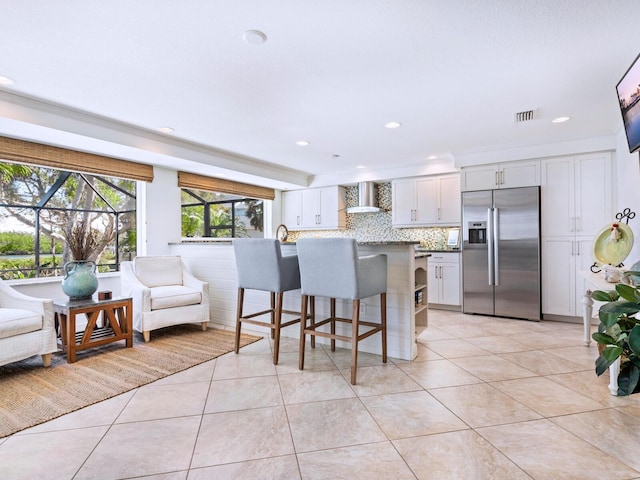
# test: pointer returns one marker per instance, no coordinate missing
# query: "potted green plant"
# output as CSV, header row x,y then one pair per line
x,y
618,334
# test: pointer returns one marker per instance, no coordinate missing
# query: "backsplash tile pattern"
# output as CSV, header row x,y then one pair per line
x,y
366,227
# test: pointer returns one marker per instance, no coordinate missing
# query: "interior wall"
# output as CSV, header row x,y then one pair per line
x,y
627,190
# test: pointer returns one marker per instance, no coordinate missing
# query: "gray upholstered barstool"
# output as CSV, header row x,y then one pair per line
x,y
330,267
261,266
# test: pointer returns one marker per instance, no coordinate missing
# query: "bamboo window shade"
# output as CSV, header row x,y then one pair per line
x,y
42,155
211,184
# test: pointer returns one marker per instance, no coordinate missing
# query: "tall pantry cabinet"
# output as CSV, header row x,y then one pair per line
x,y
576,202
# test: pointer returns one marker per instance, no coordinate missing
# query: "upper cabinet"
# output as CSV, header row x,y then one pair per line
x,y
576,194
426,201
501,175
314,208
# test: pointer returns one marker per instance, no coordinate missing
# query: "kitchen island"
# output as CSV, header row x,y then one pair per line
x,y
214,262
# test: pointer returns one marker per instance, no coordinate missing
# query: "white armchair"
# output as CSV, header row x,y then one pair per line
x,y
164,293
26,327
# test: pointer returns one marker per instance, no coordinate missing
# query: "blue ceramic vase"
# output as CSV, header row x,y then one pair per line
x,y
80,280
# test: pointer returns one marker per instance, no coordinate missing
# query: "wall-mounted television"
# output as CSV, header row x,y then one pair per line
x,y
628,89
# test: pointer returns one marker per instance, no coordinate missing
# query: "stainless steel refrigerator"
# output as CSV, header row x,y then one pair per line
x,y
501,252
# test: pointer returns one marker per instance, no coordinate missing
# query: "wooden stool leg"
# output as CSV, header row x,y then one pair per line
x,y
276,330
272,301
238,317
383,321
312,310
303,324
355,319
332,313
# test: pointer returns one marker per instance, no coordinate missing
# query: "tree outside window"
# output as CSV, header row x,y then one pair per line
x,y
219,215
41,207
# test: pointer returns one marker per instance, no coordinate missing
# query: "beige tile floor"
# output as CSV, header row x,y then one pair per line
x,y
486,398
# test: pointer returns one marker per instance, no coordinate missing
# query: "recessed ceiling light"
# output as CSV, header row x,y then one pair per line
x,y
432,157
560,119
254,37
165,129
361,166
6,81
302,143
393,124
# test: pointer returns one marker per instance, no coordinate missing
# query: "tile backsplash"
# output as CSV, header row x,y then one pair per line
x,y
366,227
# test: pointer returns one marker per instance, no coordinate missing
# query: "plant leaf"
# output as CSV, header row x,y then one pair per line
x,y
602,364
628,308
603,338
602,296
634,340
610,312
627,292
611,353
628,379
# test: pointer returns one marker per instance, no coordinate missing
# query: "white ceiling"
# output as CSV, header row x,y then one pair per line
x,y
333,72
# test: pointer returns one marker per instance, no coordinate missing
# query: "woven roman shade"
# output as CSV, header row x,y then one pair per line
x,y
211,184
64,159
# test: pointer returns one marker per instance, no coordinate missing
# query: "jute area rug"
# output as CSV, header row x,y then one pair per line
x,y
31,394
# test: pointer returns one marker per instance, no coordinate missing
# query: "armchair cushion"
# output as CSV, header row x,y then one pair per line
x,y
15,321
174,296
159,271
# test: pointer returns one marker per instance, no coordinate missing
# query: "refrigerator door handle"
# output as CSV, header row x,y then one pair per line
x,y
496,256
490,251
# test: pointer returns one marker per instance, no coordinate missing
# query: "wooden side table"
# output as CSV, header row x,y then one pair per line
x,y
108,321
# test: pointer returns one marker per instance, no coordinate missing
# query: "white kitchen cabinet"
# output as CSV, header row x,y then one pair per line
x,y
449,208
426,201
443,282
576,202
562,287
500,175
314,208
292,209
576,194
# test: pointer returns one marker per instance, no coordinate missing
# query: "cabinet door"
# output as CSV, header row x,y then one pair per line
x,y
433,282
449,210
519,174
484,177
332,207
311,208
557,197
426,198
291,213
593,197
403,203
584,260
558,276
450,283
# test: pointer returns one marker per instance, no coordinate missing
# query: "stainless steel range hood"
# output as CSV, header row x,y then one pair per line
x,y
367,199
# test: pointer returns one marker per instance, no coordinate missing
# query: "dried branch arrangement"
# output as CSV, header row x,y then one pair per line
x,y
82,241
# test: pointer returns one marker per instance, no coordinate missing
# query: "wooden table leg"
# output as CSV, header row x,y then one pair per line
x,y
71,337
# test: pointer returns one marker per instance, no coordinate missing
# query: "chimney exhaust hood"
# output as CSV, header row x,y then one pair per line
x,y
367,201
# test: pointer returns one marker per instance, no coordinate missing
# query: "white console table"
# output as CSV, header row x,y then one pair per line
x,y
596,281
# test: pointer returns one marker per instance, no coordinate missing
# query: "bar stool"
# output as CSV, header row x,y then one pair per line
x,y
261,266
330,267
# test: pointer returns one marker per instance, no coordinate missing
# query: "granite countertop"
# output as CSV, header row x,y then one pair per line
x,y
439,250
375,243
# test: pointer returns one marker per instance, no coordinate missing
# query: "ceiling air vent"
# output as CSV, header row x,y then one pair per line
x,y
524,116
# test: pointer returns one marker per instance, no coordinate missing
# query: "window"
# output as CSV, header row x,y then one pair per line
x,y
40,207
220,215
